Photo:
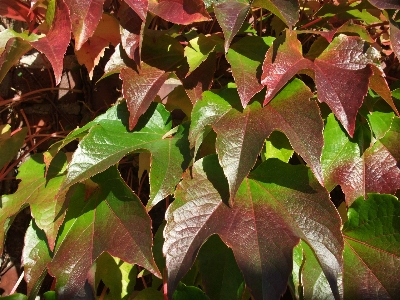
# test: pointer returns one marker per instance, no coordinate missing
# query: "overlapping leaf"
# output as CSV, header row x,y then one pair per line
x,y
241,134
245,58
10,143
40,193
139,6
269,217
342,73
55,43
395,38
286,10
91,227
109,140
85,16
198,50
356,171
180,11
371,253
385,4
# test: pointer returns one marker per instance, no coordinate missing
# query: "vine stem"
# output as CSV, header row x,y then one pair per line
x,y
21,97
17,283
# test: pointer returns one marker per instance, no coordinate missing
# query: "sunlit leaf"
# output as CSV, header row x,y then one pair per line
x,y
10,143
286,10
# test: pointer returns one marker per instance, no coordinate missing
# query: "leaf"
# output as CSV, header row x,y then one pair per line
x,y
220,275
118,61
131,32
395,39
358,173
198,50
40,193
286,10
149,293
277,146
371,254
392,138
230,16
13,46
117,275
170,156
35,257
140,89
85,16
106,33
184,292
342,72
380,123
97,225
241,135
245,58
10,143
267,208
182,12
385,4
16,10
139,6
15,297
54,44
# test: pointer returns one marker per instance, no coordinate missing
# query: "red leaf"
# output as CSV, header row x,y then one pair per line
x,y
139,6
140,89
17,10
55,43
386,4
268,219
85,16
182,12
231,15
395,39
132,32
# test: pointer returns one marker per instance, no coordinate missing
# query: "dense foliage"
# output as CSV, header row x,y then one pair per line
x,y
273,105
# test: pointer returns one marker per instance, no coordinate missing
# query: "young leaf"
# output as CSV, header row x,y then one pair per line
x,y
35,257
55,43
40,193
267,208
182,12
371,254
231,15
286,10
10,143
170,155
85,16
241,135
245,58
97,225
358,173
140,89
131,32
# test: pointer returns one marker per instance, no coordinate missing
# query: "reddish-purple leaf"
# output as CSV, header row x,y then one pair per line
x,y
114,220
268,219
139,6
182,12
17,10
395,39
231,15
85,15
132,32
139,89
386,4
281,65
55,43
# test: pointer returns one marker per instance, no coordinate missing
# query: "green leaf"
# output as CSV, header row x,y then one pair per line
x,y
277,146
380,123
149,293
41,193
10,144
220,276
15,297
392,139
371,254
270,216
109,141
111,212
246,57
184,292
35,257
117,275
241,134
198,50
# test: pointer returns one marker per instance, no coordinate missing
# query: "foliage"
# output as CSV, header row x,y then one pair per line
x,y
275,104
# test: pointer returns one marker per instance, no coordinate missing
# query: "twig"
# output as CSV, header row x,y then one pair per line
x,y
17,283
103,292
27,125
